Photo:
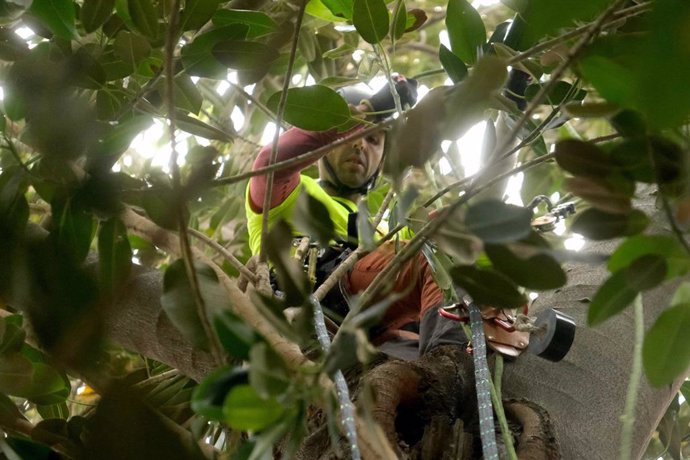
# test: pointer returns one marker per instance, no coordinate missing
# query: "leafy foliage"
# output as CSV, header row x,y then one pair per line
x,y
85,93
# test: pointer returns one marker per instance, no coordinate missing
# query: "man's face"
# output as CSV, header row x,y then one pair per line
x,y
356,162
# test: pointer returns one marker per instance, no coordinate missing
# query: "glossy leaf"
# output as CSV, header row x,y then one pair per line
x,y
614,296
209,395
57,15
258,22
399,23
245,410
314,108
646,272
116,140
452,64
547,17
496,222
267,372
236,336
143,16
560,93
291,277
12,336
131,48
199,128
197,56
74,228
538,272
370,18
466,30
583,159
600,194
665,246
488,287
244,55
312,219
180,304
196,13
94,13
666,348
340,8
599,225
114,255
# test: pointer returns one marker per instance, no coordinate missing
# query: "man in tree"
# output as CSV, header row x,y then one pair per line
x,y
346,174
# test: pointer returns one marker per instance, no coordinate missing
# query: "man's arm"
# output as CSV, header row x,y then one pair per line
x,y
292,143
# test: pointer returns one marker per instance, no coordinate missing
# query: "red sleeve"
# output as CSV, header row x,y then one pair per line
x,y
292,143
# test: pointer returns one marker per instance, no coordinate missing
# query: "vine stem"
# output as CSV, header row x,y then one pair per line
x,y
498,408
628,417
276,137
225,253
185,249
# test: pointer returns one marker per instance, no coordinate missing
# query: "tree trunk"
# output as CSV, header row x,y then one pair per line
x,y
583,395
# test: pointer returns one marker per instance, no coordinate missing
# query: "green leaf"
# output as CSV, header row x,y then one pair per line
x,y
537,271
267,372
668,247
16,374
114,255
599,225
365,229
314,108
560,93
583,159
646,272
340,8
196,13
245,55
12,336
187,96
94,13
236,336
197,56
547,17
57,15
496,222
399,21
370,18
317,9
258,22
488,287
452,64
208,396
601,194
291,277
311,217
197,127
180,304
73,228
117,140
466,30
131,48
245,410
612,297
666,348
144,17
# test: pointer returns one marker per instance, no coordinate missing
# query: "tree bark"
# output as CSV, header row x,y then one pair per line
x,y
583,394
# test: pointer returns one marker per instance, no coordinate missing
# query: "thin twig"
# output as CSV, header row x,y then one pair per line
x,y
234,261
506,434
628,417
185,249
305,157
592,30
279,119
621,15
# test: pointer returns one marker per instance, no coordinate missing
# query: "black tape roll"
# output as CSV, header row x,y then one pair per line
x,y
556,337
